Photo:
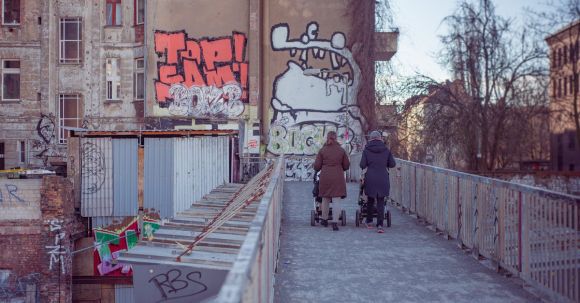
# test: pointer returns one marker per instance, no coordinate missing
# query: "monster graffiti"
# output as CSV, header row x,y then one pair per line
x,y
201,78
93,168
315,103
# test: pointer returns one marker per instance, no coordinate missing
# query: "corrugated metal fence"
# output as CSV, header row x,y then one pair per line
x,y
252,276
179,171
97,177
531,232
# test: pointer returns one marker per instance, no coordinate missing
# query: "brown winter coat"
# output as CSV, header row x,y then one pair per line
x,y
332,161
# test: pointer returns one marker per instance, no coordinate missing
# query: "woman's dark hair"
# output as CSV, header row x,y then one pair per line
x,y
331,138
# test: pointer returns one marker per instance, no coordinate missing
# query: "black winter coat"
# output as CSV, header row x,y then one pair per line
x,y
376,158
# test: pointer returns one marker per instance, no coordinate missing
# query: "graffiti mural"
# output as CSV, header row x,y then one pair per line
x,y
57,252
307,105
201,78
93,168
46,145
114,239
299,169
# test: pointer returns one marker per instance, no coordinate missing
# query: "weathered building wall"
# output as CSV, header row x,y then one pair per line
x,y
34,119
17,118
38,243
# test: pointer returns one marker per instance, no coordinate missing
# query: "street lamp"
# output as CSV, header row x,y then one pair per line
x,y
344,80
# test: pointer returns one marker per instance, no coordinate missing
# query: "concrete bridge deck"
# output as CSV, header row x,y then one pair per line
x,y
408,263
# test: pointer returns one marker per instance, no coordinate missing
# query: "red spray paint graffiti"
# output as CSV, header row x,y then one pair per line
x,y
206,62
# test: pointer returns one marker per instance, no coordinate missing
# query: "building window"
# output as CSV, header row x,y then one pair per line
x,y
21,149
10,12
10,80
571,84
554,84
114,9
565,54
559,57
139,11
113,79
565,86
139,79
69,114
70,40
560,88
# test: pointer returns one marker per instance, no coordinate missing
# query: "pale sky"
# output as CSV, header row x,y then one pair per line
x,y
419,23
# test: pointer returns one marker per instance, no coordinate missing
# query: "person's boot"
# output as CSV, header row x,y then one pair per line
x,y
335,226
324,223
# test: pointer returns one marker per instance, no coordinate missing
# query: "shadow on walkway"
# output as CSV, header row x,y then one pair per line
x,y
408,263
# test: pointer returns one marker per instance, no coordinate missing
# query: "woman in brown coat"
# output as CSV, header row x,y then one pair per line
x,y
331,161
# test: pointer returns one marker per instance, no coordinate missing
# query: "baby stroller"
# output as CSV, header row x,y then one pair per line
x,y
316,212
361,212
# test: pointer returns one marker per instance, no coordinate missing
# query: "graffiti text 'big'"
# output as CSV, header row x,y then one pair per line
x,y
206,62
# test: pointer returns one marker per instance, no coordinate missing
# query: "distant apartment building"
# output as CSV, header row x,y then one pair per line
x,y
564,96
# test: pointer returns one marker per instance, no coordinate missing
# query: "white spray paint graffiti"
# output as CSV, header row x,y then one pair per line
x,y
56,251
307,106
299,169
206,101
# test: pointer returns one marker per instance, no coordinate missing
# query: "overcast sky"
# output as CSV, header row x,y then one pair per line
x,y
419,23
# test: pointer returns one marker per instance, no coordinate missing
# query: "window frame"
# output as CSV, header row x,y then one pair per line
x,y
19,14
62,40
116,6
21,149
10,71
137,22
115,93
138,70
62,137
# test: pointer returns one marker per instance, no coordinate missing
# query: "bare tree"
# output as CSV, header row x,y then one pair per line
x,y
494,64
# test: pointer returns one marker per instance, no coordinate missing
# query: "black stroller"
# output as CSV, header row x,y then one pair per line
x,y
361,212
316,212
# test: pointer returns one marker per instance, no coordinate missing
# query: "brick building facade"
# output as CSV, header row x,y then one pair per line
x,y
37,231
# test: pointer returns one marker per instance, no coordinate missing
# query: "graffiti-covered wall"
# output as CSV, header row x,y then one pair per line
x,y
314,81
197,62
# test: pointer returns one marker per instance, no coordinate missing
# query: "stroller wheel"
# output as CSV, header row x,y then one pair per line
x,y
343,214
357,218
388,218
312,218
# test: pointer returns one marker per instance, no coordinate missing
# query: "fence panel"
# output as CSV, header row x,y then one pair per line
x,y
531,232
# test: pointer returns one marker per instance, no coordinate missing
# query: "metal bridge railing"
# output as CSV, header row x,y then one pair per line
x,y
531,232
252,277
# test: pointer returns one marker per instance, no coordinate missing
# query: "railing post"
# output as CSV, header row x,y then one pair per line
x,y
459,212
520,267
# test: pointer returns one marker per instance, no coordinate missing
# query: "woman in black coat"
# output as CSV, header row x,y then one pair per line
x,y
376,158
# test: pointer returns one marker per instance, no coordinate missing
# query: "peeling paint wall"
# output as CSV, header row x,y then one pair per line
x,y
35,42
